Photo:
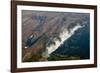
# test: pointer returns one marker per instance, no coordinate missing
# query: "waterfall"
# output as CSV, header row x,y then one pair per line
x,y
64,35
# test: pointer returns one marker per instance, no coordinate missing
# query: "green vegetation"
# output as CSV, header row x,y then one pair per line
x,y
58,57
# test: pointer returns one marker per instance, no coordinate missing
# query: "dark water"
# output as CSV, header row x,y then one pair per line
x,y
78,44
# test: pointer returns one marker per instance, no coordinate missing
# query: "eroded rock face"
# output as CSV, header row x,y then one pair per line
x,y
41,29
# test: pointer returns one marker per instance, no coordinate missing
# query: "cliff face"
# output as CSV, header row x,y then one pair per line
x,y
40,29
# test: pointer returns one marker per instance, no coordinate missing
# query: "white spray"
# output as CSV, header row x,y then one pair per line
x,y
64,35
